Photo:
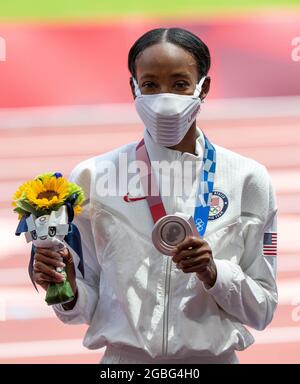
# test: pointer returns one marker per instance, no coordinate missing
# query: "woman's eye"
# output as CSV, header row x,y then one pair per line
x,y
148,84
181,85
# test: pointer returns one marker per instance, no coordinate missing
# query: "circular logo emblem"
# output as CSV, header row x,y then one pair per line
x,y
218,205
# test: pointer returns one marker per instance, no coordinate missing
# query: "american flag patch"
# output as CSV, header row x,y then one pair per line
x,y
270,244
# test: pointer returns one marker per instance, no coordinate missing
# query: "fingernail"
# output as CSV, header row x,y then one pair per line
x,y
60,276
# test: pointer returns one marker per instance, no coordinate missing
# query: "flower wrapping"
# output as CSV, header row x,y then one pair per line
x,y
46,206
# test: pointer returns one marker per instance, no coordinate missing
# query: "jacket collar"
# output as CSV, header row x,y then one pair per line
x,y
158,152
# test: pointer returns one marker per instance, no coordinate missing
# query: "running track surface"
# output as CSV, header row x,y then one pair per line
x,y
29,332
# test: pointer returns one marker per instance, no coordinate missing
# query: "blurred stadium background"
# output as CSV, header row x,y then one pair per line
x,y
64,97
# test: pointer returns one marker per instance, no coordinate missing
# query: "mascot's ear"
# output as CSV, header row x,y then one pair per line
x,y
22,226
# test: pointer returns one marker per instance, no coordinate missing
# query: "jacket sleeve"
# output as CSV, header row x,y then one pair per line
x,y
247,291
88,287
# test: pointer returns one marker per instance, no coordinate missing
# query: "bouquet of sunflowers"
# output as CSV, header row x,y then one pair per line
x,y
46,206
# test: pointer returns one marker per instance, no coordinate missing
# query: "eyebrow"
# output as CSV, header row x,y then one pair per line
x,y
181,74
145,75
177,74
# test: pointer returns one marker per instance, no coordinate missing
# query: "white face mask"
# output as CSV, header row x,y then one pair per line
x,y
168,116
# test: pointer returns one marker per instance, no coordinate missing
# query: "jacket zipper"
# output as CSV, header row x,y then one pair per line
x,y
166,307
167,297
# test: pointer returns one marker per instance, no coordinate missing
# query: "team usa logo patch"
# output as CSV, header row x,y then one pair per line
x,y
270,244
218,205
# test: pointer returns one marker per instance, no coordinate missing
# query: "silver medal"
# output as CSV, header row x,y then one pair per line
x,y
171,230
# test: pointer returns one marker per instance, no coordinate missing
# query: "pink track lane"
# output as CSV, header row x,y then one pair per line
x,y
93,358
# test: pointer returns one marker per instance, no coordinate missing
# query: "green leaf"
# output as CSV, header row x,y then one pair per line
x,y
20,211
27,207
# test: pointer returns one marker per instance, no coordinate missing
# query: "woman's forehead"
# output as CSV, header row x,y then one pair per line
x,y
165,58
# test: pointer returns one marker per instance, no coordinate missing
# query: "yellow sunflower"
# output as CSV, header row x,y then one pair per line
x,y
18,194
77,209
48,193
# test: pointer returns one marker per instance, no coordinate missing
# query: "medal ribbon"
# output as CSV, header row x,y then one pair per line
x,y
204,189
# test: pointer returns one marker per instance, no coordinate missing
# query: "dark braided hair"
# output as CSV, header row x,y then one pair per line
x,y
177,36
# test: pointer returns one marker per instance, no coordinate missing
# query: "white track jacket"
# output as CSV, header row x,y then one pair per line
x,y
133,296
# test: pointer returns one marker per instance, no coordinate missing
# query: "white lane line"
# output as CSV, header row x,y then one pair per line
x,y
289,291
63,347
2,309
105,114
289,204
45,348
25,303
13,277
100,140
10,243
288,263
285,181
288,236
277,335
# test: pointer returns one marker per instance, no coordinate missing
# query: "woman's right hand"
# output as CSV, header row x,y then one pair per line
x,y
45,263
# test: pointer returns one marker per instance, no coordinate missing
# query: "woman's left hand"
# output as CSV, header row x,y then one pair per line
x,y
195,255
